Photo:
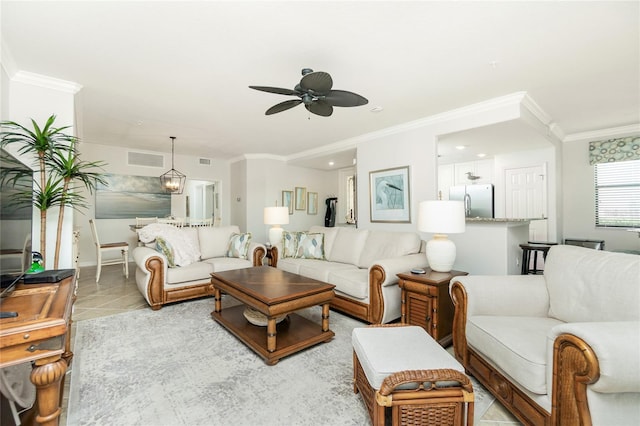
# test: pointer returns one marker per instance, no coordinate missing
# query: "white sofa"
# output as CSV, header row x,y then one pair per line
x,y
362,264
160,284
561,348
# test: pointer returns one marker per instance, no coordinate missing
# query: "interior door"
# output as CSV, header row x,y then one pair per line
x,y
526,197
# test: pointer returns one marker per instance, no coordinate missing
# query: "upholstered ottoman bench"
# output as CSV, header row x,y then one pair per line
x,y
407,378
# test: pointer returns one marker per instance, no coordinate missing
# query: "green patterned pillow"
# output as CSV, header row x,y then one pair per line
x,y
165,248
239,245
310,246
289,244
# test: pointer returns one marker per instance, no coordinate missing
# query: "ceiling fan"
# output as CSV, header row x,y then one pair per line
x,y
314,91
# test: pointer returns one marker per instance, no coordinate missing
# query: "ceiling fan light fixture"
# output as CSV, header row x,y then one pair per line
x,y
314,91
173,181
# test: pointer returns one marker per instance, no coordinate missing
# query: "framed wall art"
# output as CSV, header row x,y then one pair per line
x,y
312,203
301,198
125,197
287,200
389,195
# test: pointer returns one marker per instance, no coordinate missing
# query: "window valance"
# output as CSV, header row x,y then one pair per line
x,y
611,150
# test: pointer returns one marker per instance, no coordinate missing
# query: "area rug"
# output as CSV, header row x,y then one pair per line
x,y
176,366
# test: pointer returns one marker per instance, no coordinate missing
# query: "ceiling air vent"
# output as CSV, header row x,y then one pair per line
x,y
204,161
145,159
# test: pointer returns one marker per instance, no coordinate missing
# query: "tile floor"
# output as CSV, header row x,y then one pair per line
x,y
115,294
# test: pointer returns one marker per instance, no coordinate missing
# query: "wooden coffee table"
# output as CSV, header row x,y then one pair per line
x,y
274,293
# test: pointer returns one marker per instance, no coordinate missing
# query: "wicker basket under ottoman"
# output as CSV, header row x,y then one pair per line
x,y
406,378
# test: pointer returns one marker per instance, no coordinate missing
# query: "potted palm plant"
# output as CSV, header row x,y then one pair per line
x,y
58,167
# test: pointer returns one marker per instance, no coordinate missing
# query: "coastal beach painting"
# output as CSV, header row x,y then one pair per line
x,y
126,197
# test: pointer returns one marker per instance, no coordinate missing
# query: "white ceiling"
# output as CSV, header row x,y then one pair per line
x,y
152,69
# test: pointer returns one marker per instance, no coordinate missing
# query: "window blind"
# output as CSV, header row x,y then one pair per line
x,y
618,194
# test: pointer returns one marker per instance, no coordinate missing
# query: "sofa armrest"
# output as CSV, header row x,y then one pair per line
x,y
396,265
616,346
504,295
256,253
150,275
383,274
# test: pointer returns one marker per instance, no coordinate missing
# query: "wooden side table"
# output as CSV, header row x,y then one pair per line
x,y
426,302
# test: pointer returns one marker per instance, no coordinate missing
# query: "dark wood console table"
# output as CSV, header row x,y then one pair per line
x,y
40,334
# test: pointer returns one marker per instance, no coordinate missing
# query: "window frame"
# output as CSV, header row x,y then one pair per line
x,y
611,188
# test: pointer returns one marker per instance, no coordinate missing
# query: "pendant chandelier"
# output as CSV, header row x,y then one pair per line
x,y
173,181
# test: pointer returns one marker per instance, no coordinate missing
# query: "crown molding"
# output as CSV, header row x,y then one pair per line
x,y
550,129
257,157
447,116
603,134
46,82
325,150
454,114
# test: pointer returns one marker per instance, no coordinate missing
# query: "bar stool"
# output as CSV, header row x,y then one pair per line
x,y
533,248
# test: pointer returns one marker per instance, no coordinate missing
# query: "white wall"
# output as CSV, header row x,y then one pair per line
x,y
579,201
39,99
112,230
5,86
265,179
415,148
415,145
238,196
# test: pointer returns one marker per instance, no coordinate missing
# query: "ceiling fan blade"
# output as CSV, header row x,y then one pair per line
x,y
283,106
342,98
320,107
278,90
318,82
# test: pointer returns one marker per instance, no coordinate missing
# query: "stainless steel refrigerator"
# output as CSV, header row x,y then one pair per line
x,y
478,199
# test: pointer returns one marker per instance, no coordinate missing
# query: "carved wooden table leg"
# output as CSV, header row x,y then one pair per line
x,y
67,357
271,334
46,375
325,317
218,299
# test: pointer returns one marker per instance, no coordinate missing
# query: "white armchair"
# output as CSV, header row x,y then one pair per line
x,y
562,348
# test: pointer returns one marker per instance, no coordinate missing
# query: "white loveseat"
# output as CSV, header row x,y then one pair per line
x,y
160,284
561,348
362,264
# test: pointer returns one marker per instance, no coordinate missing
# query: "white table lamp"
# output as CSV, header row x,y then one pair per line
x,y
441,218
276,216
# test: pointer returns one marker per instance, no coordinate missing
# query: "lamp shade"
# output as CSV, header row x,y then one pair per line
x,y
276,215
441,217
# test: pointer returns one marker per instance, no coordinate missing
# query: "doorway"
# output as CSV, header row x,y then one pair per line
x,y
203,201
526,198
